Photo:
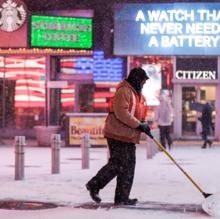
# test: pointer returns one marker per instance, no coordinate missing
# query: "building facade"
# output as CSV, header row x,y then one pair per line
x,y
50,67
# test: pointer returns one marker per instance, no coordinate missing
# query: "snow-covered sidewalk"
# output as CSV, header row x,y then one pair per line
x,y
156,180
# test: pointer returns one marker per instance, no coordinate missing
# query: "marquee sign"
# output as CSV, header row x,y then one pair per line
x,y
61,32
167,29
197,68
82,123
181,74
12,15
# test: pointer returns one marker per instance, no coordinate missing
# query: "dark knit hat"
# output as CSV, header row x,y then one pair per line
x,y
137,74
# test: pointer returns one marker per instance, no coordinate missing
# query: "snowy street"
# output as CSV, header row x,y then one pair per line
x,y
156,180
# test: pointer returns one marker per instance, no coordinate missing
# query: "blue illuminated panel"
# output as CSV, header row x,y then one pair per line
x,y
106,75
103,70
77,65
109,70
167,29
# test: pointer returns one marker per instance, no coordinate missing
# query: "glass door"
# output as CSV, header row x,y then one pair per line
x,y
7,109
22,91
193,100
189,116
207,94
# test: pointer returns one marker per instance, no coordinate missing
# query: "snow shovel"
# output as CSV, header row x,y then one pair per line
x,y
211,205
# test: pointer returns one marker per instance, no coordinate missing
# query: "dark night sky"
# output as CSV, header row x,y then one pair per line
x,y
100,5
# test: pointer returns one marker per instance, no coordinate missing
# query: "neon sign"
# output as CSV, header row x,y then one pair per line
x,y
61,32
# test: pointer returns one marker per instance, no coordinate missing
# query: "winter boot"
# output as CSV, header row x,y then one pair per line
x,y
210,143
204,146
94,193
129,201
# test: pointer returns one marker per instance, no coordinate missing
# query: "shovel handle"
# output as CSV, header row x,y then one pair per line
x,y
183,171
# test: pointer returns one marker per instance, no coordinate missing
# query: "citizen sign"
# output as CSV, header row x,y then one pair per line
x,y
181,74
12,15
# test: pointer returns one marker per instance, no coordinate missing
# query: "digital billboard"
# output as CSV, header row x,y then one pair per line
x,y
61,32
167,29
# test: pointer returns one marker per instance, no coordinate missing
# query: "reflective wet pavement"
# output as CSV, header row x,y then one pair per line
x,y
148,205
25,205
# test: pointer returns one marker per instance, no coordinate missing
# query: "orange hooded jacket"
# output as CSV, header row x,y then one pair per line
x,y
127,110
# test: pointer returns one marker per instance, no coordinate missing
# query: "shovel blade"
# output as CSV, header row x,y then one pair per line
x,y
211,204
206,195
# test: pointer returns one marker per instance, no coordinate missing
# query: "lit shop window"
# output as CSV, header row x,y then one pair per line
x,y
78,71
24,78
76,65
160,71
107,74
100,77
68,98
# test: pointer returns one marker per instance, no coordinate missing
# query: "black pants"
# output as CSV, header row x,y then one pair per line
x,y
165,136
121,164
205,133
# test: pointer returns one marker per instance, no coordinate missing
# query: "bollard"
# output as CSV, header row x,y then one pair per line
x,y
55,153
85,144
19,157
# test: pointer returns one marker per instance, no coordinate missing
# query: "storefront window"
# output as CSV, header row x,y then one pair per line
x,y
189,116
193,100
68,98
160,71
22,84
92,82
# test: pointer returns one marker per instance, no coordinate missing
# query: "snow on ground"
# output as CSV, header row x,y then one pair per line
x,y
157,180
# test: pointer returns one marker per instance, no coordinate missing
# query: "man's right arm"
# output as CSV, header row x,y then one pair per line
x,y
121,106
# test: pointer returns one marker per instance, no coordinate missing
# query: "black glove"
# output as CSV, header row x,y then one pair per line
x,y
144,127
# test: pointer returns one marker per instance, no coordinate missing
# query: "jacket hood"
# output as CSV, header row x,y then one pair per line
x,y
136,77
124,83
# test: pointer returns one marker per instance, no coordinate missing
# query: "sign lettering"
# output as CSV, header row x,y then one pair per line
x,y
167,29
196,74
61,32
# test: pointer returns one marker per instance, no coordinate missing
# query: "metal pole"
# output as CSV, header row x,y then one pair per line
x,y
19,157
3,99
85,144
55,153
180,168
149,149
